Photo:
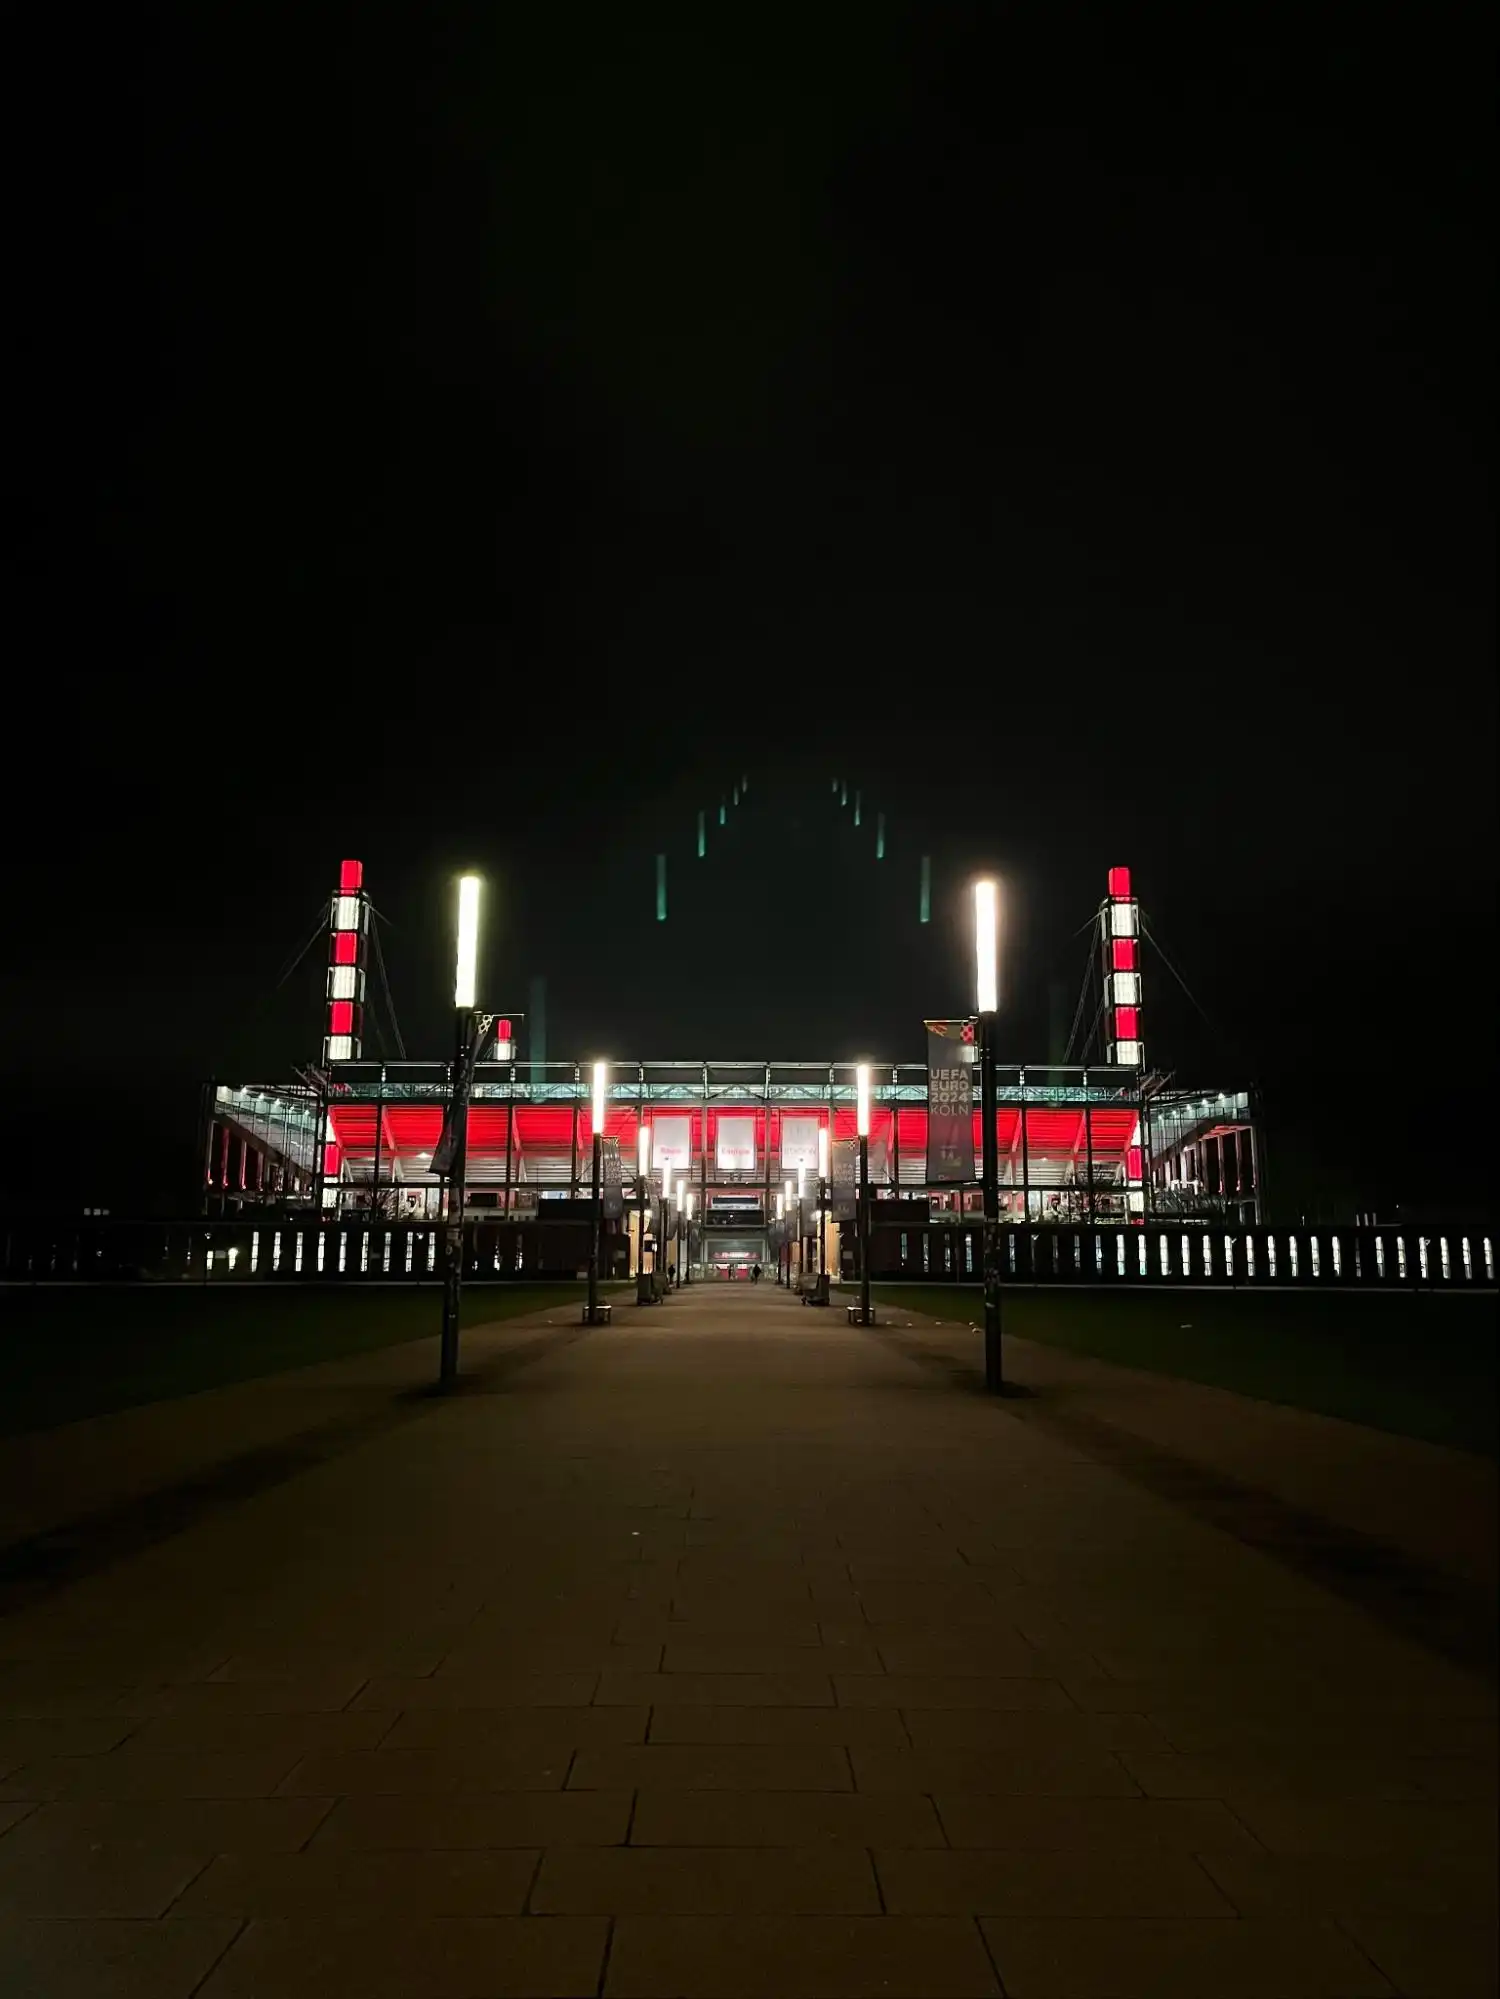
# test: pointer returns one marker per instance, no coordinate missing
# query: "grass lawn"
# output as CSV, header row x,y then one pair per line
x,y
73,1351
1422,1366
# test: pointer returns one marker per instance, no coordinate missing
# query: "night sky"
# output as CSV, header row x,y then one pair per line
x,y
474,436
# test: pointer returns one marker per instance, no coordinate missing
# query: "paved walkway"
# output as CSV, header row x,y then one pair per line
x,y
726,1651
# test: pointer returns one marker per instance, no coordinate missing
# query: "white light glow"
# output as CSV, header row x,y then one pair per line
x,y
987,946
1128,1054
346,912
338,1048
1126,988
687,1205
862,1100
822,1152
341,981
1122,919
601,1080
801,1183
467,963
643,1149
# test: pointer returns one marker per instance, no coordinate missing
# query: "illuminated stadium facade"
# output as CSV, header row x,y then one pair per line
x,y
1112,1143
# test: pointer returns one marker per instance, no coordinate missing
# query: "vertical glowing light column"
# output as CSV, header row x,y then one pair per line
x,y
880,836
466,958
1120,945
347,941
1120,925
924,903
702,834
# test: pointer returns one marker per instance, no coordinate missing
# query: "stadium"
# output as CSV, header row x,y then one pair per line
x,y
744,1145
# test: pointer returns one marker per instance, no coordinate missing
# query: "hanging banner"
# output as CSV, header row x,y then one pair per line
x,y
735,1146
672,1142
611,1192
950,1102
799,1143
845,1177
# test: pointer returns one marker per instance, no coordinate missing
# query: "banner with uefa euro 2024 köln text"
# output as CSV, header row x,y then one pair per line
x,y
611,1189
950,1102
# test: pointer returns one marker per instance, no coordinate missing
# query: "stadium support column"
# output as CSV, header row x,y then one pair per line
x,y
1120,927
1120,950
348,942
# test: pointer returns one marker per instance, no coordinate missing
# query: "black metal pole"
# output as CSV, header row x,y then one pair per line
x,y
453,1234
595,1224
994,1374
864,1229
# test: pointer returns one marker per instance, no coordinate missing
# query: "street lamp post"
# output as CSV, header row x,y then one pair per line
x,y
596,1219
801,1238
862,1121
642,1169
465,1019
987,997
686,1261
822,1213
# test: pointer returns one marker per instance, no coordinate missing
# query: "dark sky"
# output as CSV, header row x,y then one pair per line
x,y
469,436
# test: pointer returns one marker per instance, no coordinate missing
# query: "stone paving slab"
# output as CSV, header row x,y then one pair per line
x,y
1162,1959
721,1653
41,1959
415,1957
729,1957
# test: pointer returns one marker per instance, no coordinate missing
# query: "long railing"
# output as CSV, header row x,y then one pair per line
x,y
1163,1253
273,1249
